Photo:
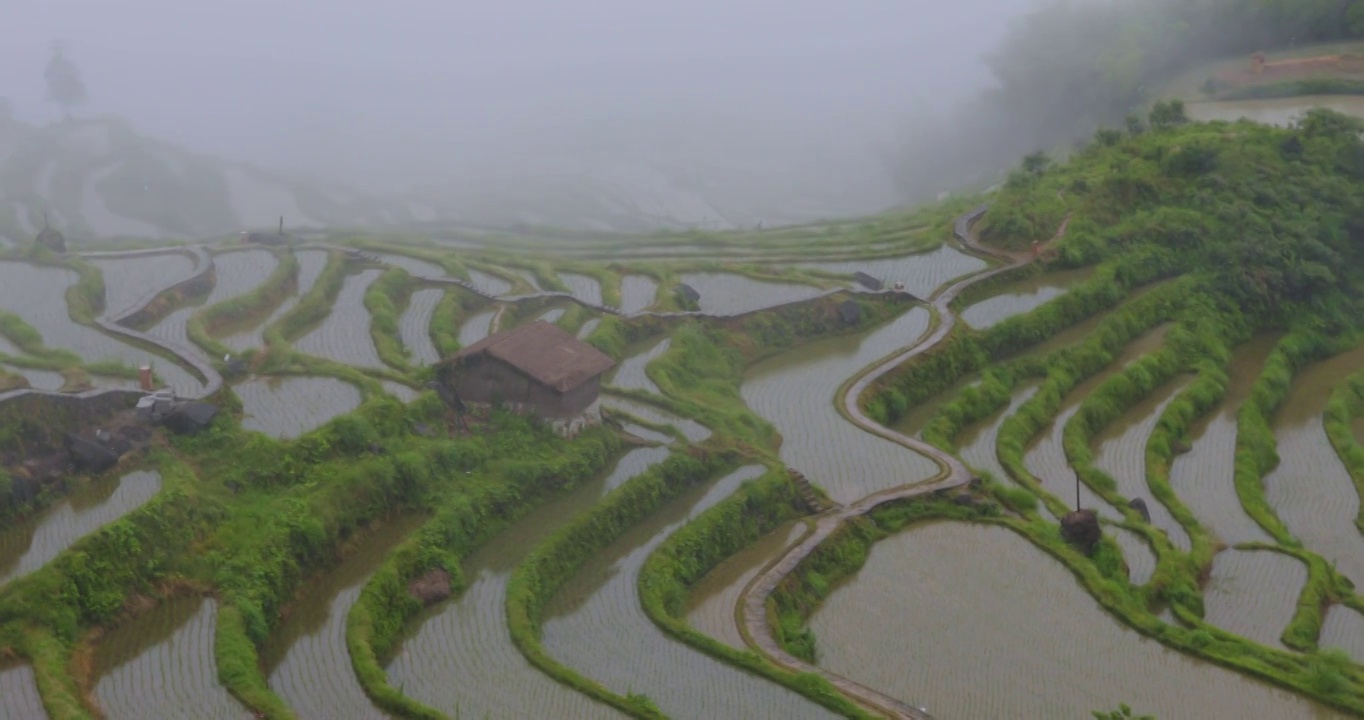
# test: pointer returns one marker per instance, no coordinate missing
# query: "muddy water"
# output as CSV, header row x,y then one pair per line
x,y
415,325
583,287
490,284
637,292
27,545
130,280
306,658
19,693
595,624
712,603
476,327
344,335
160,665
413,266
288,407
726,294
630,374
1120,451
1310,489
1046,458
1203,477
310,266
690,429
38,295
1343,629
460,659
1274,111
795,392
1020,297
977,442
588,327
982,624
921,274
236,272
1253,593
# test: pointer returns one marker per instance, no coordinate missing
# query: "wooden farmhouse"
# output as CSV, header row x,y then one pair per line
x,y
536,369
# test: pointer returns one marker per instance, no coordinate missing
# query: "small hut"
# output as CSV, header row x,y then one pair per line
x,y
687,296
867,281
51,239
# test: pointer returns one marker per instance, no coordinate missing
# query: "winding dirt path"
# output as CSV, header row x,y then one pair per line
x,y
752,610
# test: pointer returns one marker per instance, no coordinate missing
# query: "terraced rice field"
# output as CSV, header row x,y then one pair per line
x,y
977,442
29,544
310,265
583,287
1020,297
415,325
400,391
1343,629
38,295
922,273
460,659
714,598
160,665
490,284
690,429
630,373
1120,451
1253,593
552,315
236,273
1136,552
41,379
129,281
307,660
477,327
588,327
19,693
288,407
1310,489
795,392
344,335
953,603
414,266
595,625
724,294
637,292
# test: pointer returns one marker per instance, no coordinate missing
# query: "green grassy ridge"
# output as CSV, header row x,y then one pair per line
x,y
29,340
670,572
461,524
386,298
1344,407
536,579
449,315
1295,88
50,657
313,307
245,310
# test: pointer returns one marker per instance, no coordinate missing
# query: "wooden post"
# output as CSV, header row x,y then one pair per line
x,y
1077,492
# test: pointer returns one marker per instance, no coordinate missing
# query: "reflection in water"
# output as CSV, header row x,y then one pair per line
x,y
307,659
160,665
630,374
28,545
714,598
19,693
343,335
461,660
1274,111
982,624
727,294
288,407
1254,593
595,624
795,392
1020,297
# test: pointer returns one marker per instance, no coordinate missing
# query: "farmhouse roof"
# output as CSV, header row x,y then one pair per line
x,y
543,352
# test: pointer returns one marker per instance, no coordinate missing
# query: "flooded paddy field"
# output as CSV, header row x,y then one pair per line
x,y
45,379
1253,593
795,392
630,374
725,294
415,325
552,315
130,280
1136,552
477,327
982,624
1120,451
310,266
27,545
343,335
583,287
236,272
38,295
690,429
287,407
19,698
414,266
715,597
488,283
160,665
637,292
1310,489
460,658
1020,297
307,661
1274,111
588,327
976,442
596,625
1343,628
922,273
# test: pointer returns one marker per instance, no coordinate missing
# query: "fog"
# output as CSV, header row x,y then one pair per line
x,y
793,102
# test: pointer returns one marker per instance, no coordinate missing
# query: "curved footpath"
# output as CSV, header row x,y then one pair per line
x,y
952,473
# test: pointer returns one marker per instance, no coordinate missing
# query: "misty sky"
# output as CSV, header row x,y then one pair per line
x,y
401,92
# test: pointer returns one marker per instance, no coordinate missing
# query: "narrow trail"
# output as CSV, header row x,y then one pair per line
x,y
952,472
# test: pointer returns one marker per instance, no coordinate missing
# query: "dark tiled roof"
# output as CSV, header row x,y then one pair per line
x,y
542,351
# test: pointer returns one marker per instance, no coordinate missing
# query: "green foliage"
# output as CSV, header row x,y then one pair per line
x,y
385,299
1122,713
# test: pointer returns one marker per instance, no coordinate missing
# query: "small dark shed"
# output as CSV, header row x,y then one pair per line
x,y
51,239
687,295
849,312
867,281
536,368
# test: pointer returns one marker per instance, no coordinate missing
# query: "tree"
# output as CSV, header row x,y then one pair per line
x,y
1168,114
1036,163
64,84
